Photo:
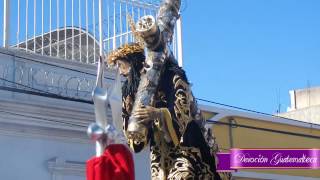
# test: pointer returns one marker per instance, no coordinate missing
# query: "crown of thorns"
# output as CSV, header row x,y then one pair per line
x,y
123,52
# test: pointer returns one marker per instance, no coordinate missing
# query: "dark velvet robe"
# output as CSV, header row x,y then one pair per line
x,y
179,149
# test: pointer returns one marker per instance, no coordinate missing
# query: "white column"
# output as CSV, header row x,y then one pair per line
x,y
100,28
18,28
114,26
27,10
72,27
94,31
34,24
87,33
179,42
42,30
6,18
99,146
58,28
120,23
50,27
65,28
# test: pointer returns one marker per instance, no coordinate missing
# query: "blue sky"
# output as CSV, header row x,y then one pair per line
x,y
246,53
250,53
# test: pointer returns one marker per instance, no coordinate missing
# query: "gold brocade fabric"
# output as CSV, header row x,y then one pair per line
x,y
190,157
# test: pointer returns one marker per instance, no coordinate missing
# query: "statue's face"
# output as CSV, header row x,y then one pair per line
x,y
124,67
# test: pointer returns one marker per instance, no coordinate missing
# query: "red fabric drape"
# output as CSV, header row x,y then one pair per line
x,y
116,163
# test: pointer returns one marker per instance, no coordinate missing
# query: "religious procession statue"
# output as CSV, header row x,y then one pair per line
x,y
158,107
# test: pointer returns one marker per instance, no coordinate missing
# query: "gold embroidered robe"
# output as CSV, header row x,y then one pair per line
x,y
177,144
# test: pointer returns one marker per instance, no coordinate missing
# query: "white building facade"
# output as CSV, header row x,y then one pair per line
x,y
48,66
43,136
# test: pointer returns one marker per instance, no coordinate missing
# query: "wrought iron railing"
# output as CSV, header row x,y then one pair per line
x,y
73,29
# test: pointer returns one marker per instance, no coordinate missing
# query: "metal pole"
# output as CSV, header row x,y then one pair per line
x,y
230,133
80,30
114,25
42,22
99,146
50,27
6,18
174,43
100,29
94,31
108,22
144,11
127,23
27,9
34,24
18,28
120,23
58,29
179,42
65,29
72,25
87,33
132,16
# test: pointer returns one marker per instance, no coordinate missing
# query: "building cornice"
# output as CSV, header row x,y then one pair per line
x,y
223,113
58,166
37,132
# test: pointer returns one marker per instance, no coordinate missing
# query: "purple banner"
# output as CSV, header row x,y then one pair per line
x,y
269,159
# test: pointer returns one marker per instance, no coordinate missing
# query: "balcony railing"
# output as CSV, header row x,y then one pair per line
x,y
75,30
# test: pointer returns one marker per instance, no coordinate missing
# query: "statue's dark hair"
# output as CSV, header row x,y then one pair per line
x,y
136,60
131,85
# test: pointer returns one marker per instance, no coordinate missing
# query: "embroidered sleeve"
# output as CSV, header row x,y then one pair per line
x,y
177,116
136,146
